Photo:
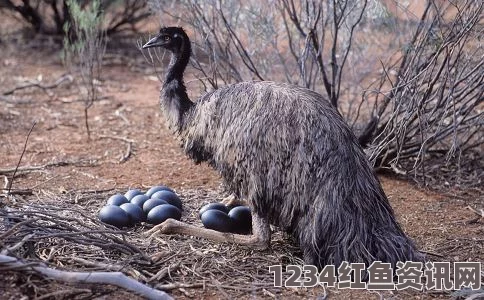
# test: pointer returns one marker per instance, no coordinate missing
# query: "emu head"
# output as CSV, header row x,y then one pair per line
x,y
170,38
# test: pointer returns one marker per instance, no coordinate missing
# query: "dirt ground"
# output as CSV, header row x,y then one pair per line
x,y
130,147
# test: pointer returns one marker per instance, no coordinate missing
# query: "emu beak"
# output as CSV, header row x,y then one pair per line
x,y
154,42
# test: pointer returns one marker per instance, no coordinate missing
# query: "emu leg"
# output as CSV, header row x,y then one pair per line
x,y
260,238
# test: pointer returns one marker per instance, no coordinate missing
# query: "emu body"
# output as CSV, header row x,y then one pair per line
x,y
291,155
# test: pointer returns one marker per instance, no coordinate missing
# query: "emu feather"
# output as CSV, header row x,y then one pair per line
x,y
289,153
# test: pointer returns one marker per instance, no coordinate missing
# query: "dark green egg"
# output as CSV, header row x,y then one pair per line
x,y
216,206
114,215
169,197
117,200
140,200
136,214
242,219
217,220
158,188
151,203
131,193
161,213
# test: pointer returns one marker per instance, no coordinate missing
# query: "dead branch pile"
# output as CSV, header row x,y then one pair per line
x,y
65,241
53,246
430,122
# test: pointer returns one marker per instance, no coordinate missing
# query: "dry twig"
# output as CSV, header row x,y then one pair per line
x,y
163,272
44,166
67,293
129,147
479,212
38,84
9,187
113,278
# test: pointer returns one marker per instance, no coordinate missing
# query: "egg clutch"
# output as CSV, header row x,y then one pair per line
x,y
155,206
160,203
218,216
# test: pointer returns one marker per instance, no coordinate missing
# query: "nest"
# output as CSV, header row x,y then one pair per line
x,y
62,232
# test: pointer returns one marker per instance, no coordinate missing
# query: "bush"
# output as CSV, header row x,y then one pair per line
x,y
418,114
86,51
50,16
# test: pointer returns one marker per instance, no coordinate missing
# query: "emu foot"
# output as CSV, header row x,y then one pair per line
x,y
172,226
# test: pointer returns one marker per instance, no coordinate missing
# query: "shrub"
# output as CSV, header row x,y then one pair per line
x,y
85,51
50,16
420,113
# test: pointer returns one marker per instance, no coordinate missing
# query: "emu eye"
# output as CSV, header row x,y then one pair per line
x,y
166,38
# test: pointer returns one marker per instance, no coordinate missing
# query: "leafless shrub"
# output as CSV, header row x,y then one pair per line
x,y
409,86
305,43
84,54
430,119
50,16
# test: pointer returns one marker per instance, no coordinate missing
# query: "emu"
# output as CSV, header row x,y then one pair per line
x,y
289,153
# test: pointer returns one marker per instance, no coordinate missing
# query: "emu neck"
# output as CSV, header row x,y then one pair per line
x,y
174,99
178,64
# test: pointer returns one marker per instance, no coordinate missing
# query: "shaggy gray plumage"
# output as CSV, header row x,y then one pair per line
x,y
292,156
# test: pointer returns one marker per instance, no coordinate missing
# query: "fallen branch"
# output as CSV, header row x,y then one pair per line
x,y
129,147
127,154
9,184
40,167
18,245
173,286
112,278
468,294
432,253
12,100
480,212
24,192
36,83
16,226
6,182
64,294
163,272
475,296
111,267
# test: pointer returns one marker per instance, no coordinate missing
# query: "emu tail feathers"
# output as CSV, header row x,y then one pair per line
x,y
360,245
